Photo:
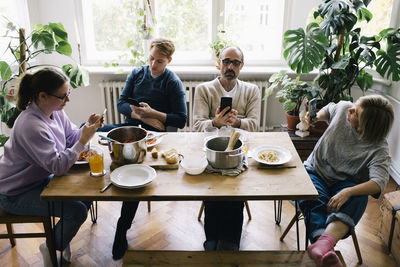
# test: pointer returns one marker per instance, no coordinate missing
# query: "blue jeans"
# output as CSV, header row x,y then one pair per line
x,y
350,213
29,203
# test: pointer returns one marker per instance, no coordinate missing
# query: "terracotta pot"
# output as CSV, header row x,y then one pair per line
x,y
292,121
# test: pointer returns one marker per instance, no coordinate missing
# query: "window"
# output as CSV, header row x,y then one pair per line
x,y
381,11
15,12
254,25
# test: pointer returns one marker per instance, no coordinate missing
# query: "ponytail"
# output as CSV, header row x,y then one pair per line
x,y
25,92
46,80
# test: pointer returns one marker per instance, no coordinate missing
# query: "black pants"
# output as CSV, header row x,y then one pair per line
x,y
223,220
128,211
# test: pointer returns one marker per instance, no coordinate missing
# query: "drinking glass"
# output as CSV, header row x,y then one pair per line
x,y
96,161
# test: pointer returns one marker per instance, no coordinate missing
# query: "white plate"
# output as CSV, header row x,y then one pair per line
x,y
133,176
284,155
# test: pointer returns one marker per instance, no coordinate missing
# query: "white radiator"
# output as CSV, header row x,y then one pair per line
x,y
112,89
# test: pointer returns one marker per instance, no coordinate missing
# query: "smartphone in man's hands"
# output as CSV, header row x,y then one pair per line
x,y
312,109
133,102
225,102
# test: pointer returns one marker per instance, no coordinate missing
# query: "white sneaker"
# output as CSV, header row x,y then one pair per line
x,y
66,254
46,255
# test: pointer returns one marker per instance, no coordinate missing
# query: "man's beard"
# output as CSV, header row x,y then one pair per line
x,y
231,77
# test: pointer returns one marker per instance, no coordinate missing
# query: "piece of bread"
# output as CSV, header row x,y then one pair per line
x,y
171,156
154,153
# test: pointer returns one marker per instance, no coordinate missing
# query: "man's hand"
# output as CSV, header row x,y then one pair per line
x,y
233,120
221,119
337,201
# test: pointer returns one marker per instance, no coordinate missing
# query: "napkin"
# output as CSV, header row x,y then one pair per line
x,y
230,172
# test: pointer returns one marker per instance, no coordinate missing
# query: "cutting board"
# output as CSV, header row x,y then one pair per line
x,y
159,163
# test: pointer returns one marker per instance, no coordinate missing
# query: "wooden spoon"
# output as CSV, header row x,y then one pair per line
x,y
232,141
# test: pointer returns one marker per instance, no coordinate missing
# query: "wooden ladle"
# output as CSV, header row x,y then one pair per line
x,y
232,141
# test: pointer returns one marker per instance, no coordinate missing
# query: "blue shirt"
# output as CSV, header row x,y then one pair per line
x,y
164,93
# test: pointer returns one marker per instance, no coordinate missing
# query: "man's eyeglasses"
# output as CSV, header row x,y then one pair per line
x,y
234,62
62,98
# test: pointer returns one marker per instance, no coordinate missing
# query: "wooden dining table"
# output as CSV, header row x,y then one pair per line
x,y
258,182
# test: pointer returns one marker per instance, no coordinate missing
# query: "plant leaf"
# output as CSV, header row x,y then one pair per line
x,y
364,80
64,48
387,62
304,51
59,32
5,71
342,63
364,14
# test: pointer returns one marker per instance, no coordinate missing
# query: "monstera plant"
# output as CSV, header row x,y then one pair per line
x,y
333,45
44,39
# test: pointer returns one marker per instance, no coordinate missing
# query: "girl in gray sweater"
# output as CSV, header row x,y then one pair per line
x,y
349,162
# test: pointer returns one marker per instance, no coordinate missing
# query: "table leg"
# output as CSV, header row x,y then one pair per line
x,y
307,222
62,230
52,248
297,226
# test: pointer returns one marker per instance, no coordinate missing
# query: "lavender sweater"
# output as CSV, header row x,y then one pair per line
x,y
38,146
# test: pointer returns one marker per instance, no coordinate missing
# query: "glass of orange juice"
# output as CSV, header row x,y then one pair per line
x,y
96,161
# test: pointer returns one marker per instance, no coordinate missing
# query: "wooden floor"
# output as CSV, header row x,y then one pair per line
x,y
174,226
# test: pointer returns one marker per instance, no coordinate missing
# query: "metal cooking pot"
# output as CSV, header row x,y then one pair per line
x,y
123,152
221,159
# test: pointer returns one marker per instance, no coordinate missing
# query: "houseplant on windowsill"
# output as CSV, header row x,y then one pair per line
x,y
291,93
221,42
333,45
44,39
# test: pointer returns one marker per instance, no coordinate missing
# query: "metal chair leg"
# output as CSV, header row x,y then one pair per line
x,y
200,211
93,211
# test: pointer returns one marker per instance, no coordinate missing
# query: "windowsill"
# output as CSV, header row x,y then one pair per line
x,y
210,72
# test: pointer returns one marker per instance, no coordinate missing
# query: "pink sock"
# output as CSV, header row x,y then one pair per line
x,y
330,259
324,244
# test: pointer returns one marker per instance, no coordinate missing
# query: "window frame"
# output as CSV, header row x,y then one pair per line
x,y
86,36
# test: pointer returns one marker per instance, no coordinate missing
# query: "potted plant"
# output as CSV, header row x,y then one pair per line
x,y
333,45
291,93
221,42
44,39
136,53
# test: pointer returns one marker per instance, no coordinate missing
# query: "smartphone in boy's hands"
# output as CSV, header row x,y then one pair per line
x,y
312,108
225,102
133,102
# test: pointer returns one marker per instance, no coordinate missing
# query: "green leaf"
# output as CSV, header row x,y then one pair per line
x,y
304,51
364,80
364,14
45,38
64,48
59,32
388,63
289,105
342,63
5,71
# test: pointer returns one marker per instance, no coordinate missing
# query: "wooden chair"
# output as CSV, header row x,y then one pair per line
x,y
8,219
202,209
299,216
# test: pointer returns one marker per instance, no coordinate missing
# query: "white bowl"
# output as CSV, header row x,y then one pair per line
x,y
194,166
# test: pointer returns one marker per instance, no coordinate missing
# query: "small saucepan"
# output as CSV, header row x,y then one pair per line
x,y
221,159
